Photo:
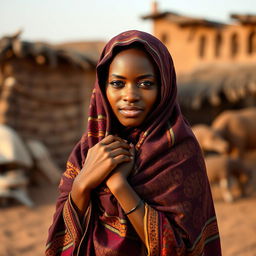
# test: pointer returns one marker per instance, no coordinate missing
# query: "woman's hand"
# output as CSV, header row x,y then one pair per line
x,y
121,172
101,159
126,196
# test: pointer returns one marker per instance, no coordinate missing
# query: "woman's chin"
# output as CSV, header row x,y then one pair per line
x,y
131,123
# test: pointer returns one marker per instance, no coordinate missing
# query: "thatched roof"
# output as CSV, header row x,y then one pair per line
x,y
92,49
247,19
214,83
182,20
42,53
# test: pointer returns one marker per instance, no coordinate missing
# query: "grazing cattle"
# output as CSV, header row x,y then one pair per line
x,y
238,127
209,140
222,169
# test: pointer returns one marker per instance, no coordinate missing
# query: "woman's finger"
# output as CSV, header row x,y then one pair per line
x,y
121,159
120,139
111,138
107,140
132,149
118,144
119,151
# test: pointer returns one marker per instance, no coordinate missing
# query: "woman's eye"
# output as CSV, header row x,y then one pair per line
x,y
117,83
146,84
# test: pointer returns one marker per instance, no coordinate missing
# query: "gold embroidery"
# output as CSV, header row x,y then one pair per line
x,y
71,171
117,225
96,134
152,231
138,145
62,241
71,226
145,220
170,135
98,118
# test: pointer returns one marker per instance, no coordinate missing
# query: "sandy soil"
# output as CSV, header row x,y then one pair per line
x,y
23,231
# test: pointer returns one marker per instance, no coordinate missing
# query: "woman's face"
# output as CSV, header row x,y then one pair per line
x,y
131,87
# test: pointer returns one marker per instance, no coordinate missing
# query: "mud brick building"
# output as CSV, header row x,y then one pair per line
x,y
45,93
215,62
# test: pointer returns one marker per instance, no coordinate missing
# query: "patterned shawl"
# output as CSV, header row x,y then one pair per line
x,y
169,175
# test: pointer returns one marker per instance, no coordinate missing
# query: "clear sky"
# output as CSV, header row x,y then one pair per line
x,y
72,20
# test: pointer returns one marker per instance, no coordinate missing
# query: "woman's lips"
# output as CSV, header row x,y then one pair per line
x,y
130,112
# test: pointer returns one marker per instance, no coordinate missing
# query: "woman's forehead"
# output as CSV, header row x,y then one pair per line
x,y
132,54
132,59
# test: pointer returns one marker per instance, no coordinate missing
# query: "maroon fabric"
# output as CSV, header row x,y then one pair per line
x,y
169,172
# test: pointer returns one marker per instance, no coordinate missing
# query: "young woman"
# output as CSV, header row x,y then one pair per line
x,y
135,184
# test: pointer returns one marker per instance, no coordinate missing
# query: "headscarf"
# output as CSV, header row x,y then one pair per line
x,y
169,175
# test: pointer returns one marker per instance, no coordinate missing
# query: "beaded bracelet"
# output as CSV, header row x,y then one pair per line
x,y
134,208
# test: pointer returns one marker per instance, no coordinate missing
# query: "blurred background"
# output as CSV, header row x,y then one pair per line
x,y
48,54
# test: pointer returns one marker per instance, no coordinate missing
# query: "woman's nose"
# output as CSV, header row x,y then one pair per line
x,y
131,93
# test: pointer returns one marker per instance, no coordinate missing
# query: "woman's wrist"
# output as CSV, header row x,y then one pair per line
x,y
133,209
117,184
80,196
81,187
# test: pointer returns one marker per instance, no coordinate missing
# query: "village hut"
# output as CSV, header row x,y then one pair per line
x,y
206,92
44,93
92,49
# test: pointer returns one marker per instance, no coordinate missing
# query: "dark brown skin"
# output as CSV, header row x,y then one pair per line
x,y
131,85
131,90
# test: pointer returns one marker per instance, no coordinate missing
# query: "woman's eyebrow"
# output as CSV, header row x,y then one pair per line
x,y
146,76
118,76
139,77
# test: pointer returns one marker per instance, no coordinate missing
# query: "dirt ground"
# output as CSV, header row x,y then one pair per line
x,y
23,231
